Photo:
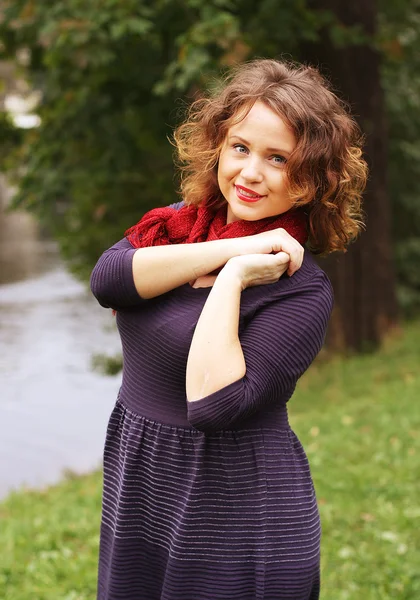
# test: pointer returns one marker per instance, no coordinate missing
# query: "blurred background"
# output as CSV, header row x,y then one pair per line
x,y
90,92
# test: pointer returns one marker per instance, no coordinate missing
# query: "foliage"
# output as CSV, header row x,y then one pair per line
x,y
11,137
106,364
359,423
112,73
100,157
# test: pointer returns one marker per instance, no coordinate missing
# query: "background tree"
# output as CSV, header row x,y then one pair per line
x,y
399,37
363,279
112,75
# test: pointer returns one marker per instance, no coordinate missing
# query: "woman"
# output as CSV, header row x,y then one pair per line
x,y
207,490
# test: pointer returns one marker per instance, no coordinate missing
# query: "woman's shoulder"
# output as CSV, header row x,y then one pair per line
x,y
309,274
177,205
310,269
313,281
309,285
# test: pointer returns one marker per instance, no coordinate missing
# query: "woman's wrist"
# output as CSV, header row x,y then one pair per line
x,y
241,246
231,275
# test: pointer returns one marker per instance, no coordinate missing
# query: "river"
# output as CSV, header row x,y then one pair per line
x,y
53,407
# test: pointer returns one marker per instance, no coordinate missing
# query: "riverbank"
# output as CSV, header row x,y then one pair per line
x,y
359,422
53,406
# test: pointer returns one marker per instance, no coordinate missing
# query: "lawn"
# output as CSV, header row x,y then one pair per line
x,y
359,421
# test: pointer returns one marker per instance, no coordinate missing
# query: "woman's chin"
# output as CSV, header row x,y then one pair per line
x,y
242,211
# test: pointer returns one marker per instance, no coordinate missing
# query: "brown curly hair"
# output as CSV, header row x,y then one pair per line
x,y
326,171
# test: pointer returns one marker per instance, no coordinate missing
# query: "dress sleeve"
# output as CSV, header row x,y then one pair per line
x,y
112,281
279,344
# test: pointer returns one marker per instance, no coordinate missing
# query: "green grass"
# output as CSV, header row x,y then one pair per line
x,y
359,421
49,542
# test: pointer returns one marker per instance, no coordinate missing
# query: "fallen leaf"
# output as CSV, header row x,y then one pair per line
x,y
314,431
367,517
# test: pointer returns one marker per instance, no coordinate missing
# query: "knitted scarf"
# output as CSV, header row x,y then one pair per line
x,y
189,224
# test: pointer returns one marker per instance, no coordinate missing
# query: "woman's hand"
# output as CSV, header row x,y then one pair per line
x,y
275,241
257,269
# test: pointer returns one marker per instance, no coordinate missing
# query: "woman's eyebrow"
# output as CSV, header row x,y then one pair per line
x,y
274,150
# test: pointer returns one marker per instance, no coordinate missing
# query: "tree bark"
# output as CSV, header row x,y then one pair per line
x,y
363,279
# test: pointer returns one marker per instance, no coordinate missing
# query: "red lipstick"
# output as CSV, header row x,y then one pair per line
x,y
247,195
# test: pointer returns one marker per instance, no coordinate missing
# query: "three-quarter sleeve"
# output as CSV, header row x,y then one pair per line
x,y
279,344
112,281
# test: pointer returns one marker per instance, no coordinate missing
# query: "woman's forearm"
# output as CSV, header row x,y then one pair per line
x,y
158,269
216,359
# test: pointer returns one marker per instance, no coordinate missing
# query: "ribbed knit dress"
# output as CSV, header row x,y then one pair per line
x,y
213,499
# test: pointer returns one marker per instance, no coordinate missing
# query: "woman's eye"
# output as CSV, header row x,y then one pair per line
x,y
279,160
240,148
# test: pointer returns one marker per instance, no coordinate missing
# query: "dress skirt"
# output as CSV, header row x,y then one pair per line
x,y
189,516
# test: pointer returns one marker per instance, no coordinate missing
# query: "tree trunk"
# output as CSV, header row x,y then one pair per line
x,y
363,278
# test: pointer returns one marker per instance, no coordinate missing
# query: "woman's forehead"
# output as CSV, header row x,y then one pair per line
x,y
265,125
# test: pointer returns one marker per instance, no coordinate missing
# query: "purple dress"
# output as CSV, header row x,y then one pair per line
x,y
209,500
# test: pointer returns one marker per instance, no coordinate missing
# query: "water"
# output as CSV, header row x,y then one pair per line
x,y
53,407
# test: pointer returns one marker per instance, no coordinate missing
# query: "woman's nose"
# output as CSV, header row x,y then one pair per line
x,y
251,170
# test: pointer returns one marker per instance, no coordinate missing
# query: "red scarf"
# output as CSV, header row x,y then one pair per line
x,y
189,224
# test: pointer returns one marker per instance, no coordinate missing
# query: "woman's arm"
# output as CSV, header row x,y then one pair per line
x,y
243,374
158,269
125,276
215,358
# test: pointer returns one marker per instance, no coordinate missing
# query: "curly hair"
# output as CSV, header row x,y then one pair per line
x,y
326,171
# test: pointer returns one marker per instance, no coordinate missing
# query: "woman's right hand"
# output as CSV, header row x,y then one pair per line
x,y
272,242
257,269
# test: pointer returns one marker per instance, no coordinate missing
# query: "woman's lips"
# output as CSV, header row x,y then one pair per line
x,y
246,195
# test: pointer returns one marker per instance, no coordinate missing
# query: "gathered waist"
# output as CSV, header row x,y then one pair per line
x,y
175,414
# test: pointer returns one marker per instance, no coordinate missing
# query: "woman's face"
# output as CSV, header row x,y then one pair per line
x,y
251,172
